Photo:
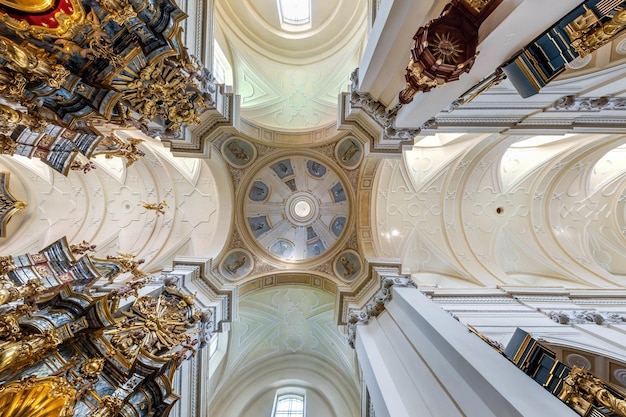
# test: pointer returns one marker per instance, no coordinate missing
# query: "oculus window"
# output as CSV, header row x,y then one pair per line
x,y
289,405
295,15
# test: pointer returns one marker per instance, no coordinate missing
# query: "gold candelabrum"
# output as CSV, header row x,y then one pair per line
x,y
581,390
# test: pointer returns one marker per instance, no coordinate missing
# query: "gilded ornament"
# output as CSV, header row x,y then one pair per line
x,y
112,146
158,208
109,406
22,353
65,25
155,325
8,146
38,397
594,39
92,367
11,118
581,389
127,263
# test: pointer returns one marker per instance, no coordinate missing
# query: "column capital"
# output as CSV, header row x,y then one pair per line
x,y
388,277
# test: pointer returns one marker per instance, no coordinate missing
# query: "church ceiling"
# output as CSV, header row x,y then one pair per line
x,y
289,331
104,207
497,210
289,81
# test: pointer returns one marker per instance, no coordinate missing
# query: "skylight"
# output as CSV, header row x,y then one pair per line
x,y
295,14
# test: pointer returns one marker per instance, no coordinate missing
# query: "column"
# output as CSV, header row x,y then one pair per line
x,y
418,360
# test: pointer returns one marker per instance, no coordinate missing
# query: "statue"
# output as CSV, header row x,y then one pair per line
x,y
238,151
128,264
10,292
129,150
82,248
86,167
157,207
349,152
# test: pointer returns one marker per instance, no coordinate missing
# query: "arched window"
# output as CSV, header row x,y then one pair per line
x,y
289,405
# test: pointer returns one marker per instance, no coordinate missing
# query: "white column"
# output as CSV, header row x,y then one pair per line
x,y
418,360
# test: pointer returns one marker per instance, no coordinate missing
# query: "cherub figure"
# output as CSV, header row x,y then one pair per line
x,y
86,167
128,150
128,263
157,207
82,248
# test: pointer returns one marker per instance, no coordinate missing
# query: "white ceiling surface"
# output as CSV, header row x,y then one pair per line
x,y
562,204
104,207
290,81
287,336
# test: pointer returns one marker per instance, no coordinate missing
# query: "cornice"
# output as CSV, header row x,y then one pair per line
x,y
374,117
386,277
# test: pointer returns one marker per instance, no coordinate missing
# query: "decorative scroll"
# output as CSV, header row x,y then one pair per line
x,y
377,111
585,317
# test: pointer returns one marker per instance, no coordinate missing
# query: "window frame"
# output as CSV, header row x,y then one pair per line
x,y
290,24
286,394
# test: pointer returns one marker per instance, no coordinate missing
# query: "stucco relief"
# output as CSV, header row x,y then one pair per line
x,y
104,206
488,210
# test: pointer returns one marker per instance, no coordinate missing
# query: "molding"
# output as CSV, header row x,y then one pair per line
x,y
373,116
585,317
223,297
388,277
222,117
364,203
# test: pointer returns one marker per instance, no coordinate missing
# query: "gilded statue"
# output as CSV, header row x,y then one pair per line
x,y
33,63
10,330
11,118
128,264
157,207
82,248
22,353
129,151
85,167
109,406
156,325
129,290
8,146
580,388
10,292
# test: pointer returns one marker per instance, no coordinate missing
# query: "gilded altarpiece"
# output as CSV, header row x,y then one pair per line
x,y
67,352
